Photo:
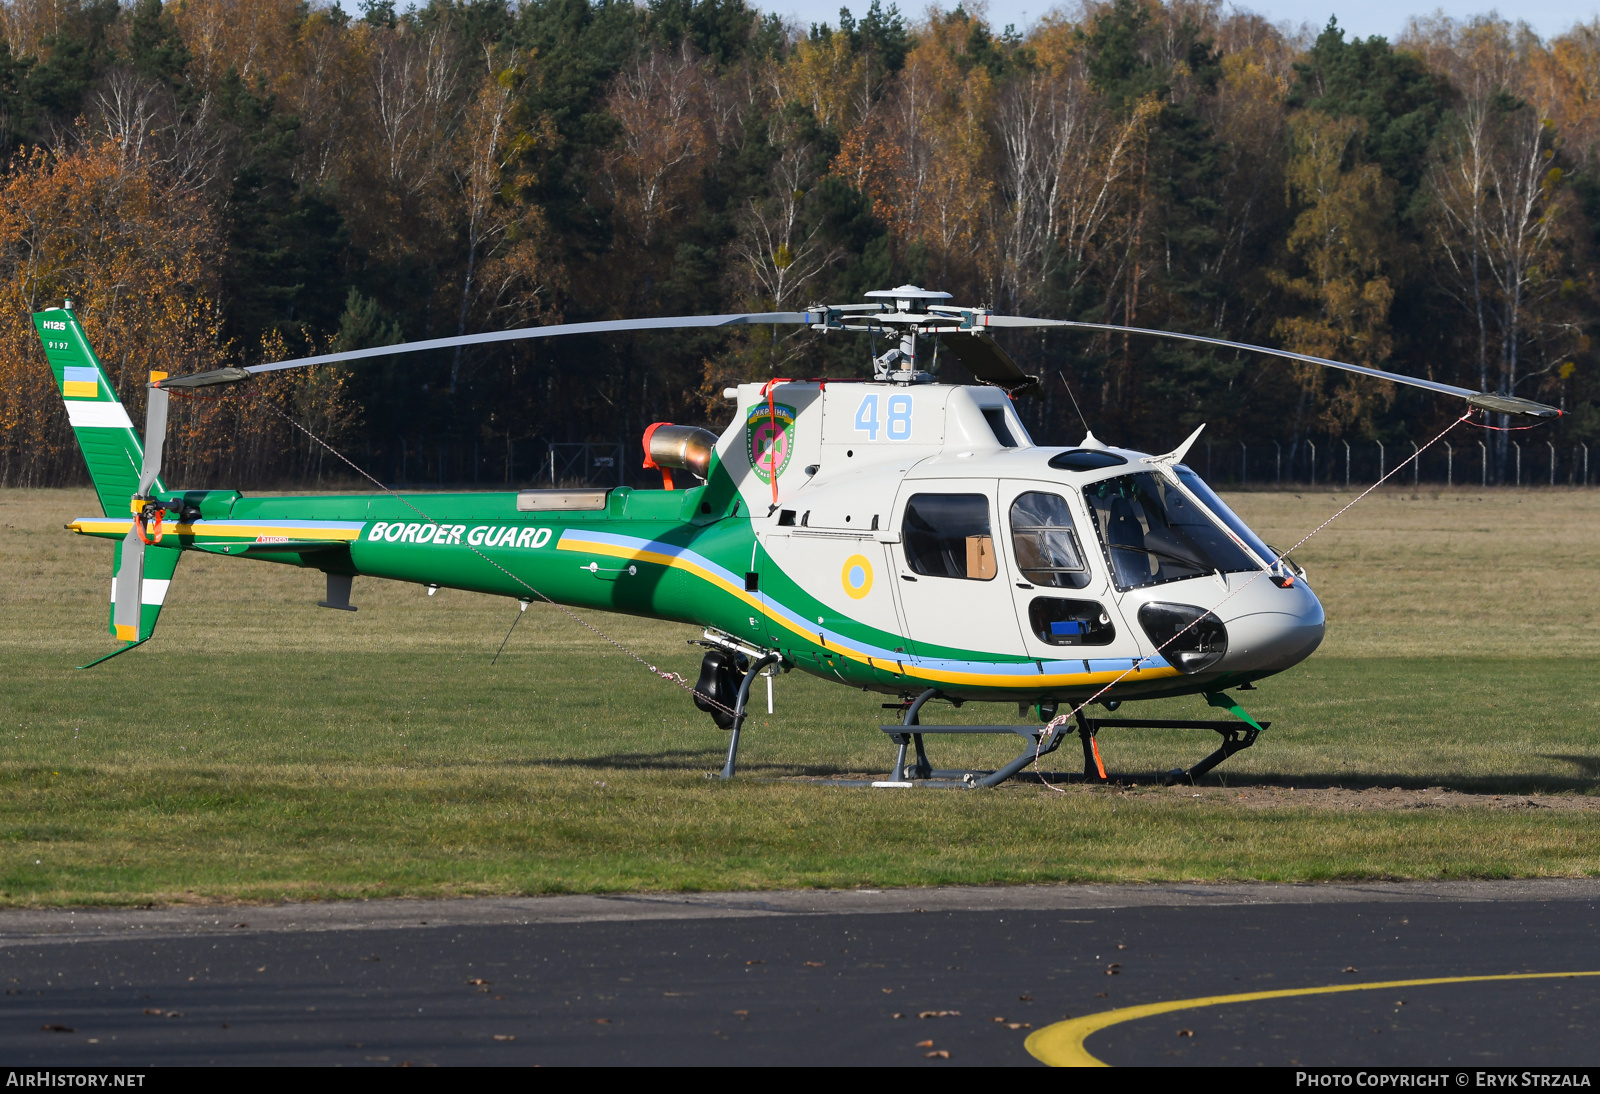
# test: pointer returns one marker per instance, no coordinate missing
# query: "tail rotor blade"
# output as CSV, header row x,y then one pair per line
x,y
155,437
127,588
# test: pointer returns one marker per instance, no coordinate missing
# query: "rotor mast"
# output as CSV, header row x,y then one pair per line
x,y
906,306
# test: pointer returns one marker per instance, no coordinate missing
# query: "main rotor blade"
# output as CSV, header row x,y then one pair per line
x,y
670,322
986,360
1503,404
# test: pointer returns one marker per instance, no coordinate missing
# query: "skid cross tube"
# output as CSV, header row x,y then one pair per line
x,y
1038,744
739,707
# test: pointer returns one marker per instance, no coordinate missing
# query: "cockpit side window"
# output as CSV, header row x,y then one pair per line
x,y
1153,533
1044,543
949,535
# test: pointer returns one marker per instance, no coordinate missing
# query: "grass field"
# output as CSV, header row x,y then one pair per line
x,y
262,748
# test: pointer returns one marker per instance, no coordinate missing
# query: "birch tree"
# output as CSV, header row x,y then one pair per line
x,y
662,108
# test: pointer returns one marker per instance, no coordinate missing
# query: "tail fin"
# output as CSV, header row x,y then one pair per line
x,y
110,446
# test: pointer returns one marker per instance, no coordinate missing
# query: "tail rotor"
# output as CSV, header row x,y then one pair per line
x,y
127,596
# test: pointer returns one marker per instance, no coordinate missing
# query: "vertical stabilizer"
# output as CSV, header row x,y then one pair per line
x,y
106,436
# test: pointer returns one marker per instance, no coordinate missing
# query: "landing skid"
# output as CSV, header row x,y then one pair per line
x,y
1235,738
909,733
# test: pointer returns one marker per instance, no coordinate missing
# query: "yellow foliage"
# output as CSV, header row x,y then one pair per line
x,y
925,156
662,108
254,37
829,77
26,23
1340,239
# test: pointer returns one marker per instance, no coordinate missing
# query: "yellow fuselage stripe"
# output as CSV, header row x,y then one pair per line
x,y
93,527
1024,681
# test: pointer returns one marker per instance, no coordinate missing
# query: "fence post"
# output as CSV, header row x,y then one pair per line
x,y
1311,450
1552,445
1416,465
1380,462
1449,465
1585,463
1244,464
1347,465
1518,447
1279,449
1483,456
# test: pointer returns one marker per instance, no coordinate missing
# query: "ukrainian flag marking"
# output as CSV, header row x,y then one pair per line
x,y
79,382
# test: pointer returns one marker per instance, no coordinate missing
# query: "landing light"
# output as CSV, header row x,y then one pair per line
x,y
1194,648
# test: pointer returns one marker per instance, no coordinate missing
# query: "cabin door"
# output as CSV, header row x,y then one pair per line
x,y
1063,602
954,584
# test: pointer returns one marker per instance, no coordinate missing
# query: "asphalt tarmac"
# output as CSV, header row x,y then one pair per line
x,y
855,977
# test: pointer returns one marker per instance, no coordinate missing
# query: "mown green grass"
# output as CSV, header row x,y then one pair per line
x,y
261,748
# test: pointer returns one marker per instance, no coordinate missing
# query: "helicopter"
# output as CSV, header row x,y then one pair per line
x,y
892,533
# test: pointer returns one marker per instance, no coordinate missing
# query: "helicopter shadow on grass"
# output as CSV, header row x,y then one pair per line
x,y
682,761
1587,782
1587,765
679,761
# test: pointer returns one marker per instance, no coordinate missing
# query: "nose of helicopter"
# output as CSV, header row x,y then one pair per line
x,y
1270,629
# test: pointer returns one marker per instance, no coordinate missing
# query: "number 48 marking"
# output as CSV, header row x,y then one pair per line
x,y
897,423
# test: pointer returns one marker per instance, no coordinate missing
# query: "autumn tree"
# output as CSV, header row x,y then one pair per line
x,y
663,116
1340,239
137,256
1497,206
504,273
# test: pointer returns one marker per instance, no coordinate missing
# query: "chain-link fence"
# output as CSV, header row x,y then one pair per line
x,y
1265,464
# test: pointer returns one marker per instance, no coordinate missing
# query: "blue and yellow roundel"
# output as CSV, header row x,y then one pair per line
x,y
856,576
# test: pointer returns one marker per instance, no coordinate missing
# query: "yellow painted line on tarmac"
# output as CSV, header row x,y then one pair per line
x,y
1061,1044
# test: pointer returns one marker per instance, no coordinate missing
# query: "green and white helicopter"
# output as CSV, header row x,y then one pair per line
x,y
897,534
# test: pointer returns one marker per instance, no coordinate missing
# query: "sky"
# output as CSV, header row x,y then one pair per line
x,y
1360,18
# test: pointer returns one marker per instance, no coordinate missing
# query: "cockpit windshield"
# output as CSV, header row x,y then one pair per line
x,y
1197,486
1153,533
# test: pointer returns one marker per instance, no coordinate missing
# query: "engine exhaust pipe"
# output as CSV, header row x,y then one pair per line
x,y
681,447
